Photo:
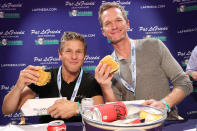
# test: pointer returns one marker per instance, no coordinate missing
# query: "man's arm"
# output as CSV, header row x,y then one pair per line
x,y
20,93
173,98
98,100
65,109
182,86
15,99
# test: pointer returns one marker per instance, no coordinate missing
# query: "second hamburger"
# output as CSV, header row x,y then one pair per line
x,y
109,61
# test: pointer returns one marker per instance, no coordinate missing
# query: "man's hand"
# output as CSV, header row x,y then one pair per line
x,y
154,103
27,76
102,77
104,80
63,108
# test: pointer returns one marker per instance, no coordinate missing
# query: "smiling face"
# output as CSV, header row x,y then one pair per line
x,y
114,25
72,56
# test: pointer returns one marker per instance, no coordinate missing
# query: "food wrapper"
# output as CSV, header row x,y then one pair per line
x,y
37,107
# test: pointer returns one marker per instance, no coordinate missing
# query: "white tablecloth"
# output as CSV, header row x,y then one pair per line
x,y
36,127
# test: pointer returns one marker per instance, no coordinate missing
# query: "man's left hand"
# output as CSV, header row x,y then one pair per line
x,y
155,103
63,108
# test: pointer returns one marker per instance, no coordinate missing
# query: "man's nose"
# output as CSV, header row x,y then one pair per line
x,y
74,55
113,25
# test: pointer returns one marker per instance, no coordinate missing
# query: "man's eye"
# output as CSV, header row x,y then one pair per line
x,y
107,24
119,20
67,51
79,51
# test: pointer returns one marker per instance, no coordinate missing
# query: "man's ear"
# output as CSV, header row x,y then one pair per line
x,y
103,32
60,54
128,25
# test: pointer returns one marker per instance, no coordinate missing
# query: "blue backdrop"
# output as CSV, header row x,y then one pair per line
x,y
30,31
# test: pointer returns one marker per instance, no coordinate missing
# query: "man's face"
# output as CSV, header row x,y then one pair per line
x,y
114,25
72,55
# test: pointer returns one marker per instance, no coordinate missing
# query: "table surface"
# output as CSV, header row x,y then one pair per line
x,y
185,125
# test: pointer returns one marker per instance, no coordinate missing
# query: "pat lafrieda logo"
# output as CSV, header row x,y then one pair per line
x,y
91,59
42,41
119,2
45,32
153,28
46,60
10,5
80,13
79,3
12,32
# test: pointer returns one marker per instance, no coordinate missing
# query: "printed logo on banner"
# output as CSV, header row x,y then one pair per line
x,y
122,3
184,8
194,29
14,65
184,57
77,8
45,36
79,4
6,88
80,13
7,36
152,6
91,59
119,2
9,10
154,32
192,112
162,38
89,68
185,5
44,9
88,35
15,117
51,60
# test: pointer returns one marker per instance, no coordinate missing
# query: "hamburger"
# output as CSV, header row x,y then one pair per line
x,y
44,77
110,62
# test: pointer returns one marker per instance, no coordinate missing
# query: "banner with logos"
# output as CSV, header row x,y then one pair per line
x,y
30,31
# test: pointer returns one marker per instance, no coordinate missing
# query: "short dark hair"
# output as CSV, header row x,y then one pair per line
x,y
108,5
72,36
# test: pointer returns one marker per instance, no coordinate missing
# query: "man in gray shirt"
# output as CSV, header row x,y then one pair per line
x,y
146,66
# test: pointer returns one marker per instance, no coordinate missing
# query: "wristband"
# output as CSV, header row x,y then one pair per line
x,y
79,108
191,74
166,104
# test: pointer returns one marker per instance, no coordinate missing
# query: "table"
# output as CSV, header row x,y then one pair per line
x,y
185,125
180,125
75,126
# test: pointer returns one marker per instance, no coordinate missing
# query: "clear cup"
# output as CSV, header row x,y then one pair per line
x,y
86,104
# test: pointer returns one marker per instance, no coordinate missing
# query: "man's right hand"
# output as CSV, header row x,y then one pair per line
x,y
27,76
102,77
